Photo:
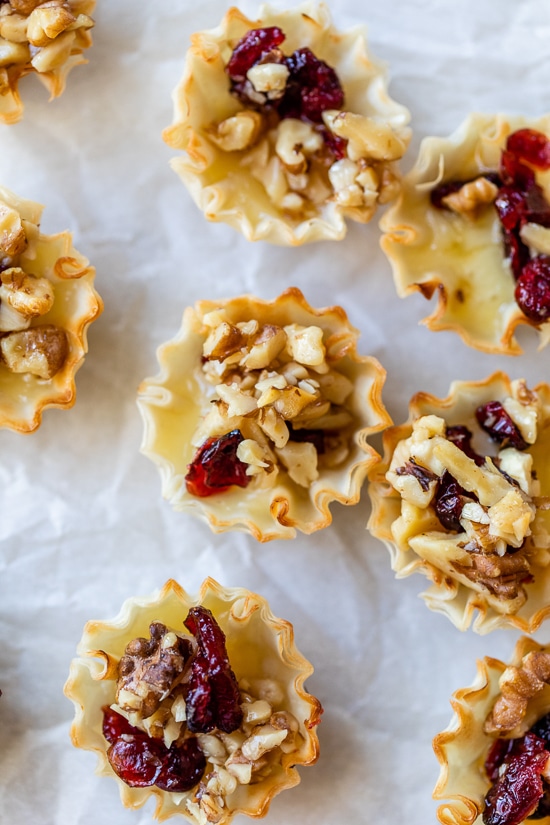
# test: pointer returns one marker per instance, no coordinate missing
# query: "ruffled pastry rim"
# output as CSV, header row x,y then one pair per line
x,y
462,747
401,235
184,134
153,395
446,595
60,390
87,674
12,107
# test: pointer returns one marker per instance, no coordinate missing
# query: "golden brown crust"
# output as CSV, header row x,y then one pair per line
x,y
415,537
225,174
174,403
259,646
452,255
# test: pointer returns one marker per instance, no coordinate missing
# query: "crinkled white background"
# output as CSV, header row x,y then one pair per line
x,y
82,522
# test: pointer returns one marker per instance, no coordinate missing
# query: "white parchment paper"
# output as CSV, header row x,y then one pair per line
x,y
82,522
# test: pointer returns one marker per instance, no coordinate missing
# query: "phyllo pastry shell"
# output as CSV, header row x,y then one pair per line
x,y
212,687
261,414
289,148
461,495
471,226
47,302
42,38
495,753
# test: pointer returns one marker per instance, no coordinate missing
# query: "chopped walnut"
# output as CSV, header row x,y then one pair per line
x,y
13,239
40,351
25,296
491,508
517,686
241,131
472,197
150,669
274,384
502,575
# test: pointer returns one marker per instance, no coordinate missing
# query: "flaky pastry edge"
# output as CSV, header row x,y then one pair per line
x,y
476,145
53,257
92,677
462,605
228,511
365,84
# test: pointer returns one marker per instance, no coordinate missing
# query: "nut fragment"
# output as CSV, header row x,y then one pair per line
x,y
40,350
150,669
472,197
46,22
238,132
26,294
517,686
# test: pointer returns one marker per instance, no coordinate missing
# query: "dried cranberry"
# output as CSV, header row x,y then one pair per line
x,y
213,698
137,760
182,767
251,48
542,728
215,466
516,794
141,761
494,419
533,289
530,145
337,146
500,751
315,437
115,725
449,501
422,474
312,87
461,437
516,251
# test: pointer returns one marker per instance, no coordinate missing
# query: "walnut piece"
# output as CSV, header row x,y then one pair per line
x,y
517,686
40,350
472,197
150,669
275,385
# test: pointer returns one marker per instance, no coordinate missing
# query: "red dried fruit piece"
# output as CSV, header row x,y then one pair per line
x,y
215,466
530,145
251,48
182,767
449,501
493,418
141,761
533,289
516,794
315,437
213,698
500,750
312,87
422,475
461,437
336,145
137,760
115,725
542,728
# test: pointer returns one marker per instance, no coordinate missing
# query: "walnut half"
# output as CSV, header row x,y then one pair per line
x,y
150,669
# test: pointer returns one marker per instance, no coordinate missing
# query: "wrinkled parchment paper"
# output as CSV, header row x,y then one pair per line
x,y
82,522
